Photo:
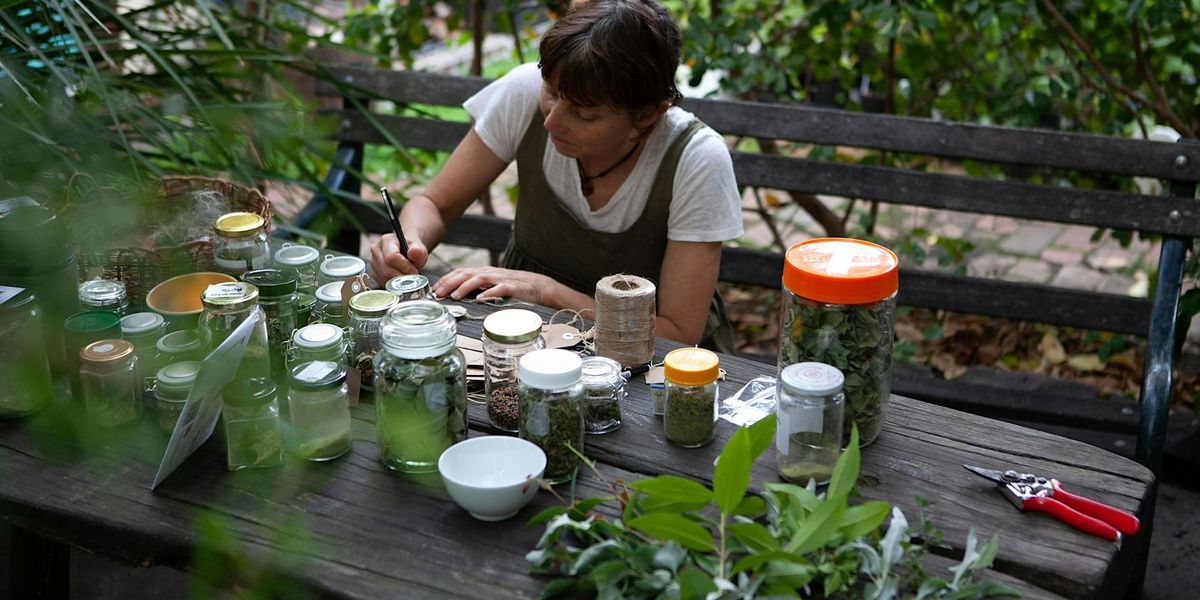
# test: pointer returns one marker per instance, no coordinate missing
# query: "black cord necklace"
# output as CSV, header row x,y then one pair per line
x,y
585,180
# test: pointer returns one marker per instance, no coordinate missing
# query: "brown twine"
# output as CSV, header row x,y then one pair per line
x,y
625,319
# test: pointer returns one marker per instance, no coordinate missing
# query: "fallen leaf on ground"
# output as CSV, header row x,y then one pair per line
x,y
1052,349
948,366
1085,362
908,333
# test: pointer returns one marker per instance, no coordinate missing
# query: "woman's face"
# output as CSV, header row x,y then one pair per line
x,y
585,132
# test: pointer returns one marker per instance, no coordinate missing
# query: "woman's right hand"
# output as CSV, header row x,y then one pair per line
x,y
387,262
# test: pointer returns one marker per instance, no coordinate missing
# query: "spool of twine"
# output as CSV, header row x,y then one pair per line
x,y
625,319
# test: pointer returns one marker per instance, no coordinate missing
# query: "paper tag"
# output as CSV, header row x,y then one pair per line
x,y
315,371
224,290
7,292
656,375
350,287
560,335
465,343
353,381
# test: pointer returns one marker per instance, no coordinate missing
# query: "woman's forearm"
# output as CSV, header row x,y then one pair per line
x,y
420,218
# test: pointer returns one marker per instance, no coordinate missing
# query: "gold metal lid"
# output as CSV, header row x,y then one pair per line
x,y
106,351
239,224
229,295
373,303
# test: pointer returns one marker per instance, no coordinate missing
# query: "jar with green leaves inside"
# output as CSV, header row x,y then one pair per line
x,y
25,380
301,262
171,386
420,387
550,412
603,393
277,299
253,432
241,243
327,308
143,330
367,310
226,305
112,392
507,336
319,341
319,403
179,346
690,414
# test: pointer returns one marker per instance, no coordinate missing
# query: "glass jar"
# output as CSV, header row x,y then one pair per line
x,y
420,387
410,287
143,330
328,306
81,329
319,341
171,386
550,413
507,336
340,268
112,393
839,305
603,392
104,294
367,310
277,299
226,305
180,346
690,417
304,306
25,384
808,430
253,437
241,243
319,403
300,261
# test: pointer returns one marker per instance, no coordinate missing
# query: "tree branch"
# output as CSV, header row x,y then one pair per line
x,y
1143,67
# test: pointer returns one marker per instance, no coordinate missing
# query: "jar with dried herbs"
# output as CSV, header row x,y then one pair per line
x,y
337,269
367,310
327,308
112,392
690,417
25,384
226,305
143,330
301,262
253,435
420,387
550,412
171,387
603,393
839,304
320,410
241,243
277,299
507,336
179,346
319,341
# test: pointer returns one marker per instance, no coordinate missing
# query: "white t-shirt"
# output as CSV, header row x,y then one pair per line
x,y
705,206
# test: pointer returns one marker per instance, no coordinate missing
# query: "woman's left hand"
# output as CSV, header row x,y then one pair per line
x,y
496,283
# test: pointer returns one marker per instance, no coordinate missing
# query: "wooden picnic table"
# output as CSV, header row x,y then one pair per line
x,y
351,528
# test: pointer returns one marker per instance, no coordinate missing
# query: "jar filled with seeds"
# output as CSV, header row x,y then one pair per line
x,y
277,299
319,341
550,413
339,269
143,330
410,287
839,304
319,403
171,387
367,310
420,387
180,346
690,419
226,305
25,384
253,435
328,306
112,393
301,262
507,336
241,243
603,393
104,294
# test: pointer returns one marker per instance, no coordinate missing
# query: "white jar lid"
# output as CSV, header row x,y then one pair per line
x,y
812,379
142,322
330,293
296,256
317,335
554,369
179,375
343,267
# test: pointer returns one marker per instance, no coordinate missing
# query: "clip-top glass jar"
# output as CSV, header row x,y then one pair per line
x,y
319,341
340,268
277,299
241,243
112,392
253,437
328,305
104,294
226,305
410,287
367,310
25,385
551,414
507,336
808,430
690,419
839,304
319,403
180,346
420,387
143,330
172,384
300,261
603,392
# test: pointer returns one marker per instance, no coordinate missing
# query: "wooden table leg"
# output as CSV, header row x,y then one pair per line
x,y
38,567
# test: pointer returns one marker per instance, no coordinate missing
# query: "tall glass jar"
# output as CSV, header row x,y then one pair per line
x,y
300,261
603,393
340,268
253,434
104,294
367,310
112,393
319,341
180,346
420,387
551,414
277,299
808,430
226,305
25,385
241,243
690,419
507,336
171,387
319,402
328,306
410,287
143,330
839,305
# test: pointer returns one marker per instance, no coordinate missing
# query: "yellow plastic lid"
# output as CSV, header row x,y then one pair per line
x,y
239,224
691,366
841,271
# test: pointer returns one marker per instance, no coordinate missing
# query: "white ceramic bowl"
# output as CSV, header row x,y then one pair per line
x,y
492,476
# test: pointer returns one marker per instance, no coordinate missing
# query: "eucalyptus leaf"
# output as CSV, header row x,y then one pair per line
x,y
693,583
845,471
674,527
673,488
751,506
754,536
731,476
546,515
860,520
762,434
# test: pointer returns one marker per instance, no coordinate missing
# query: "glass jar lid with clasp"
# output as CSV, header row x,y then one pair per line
x,y
319,341
410,287
340,268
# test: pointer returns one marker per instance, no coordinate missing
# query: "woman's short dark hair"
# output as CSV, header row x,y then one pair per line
x,y
622,53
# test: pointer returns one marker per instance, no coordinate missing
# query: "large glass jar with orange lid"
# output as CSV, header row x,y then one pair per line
x,y
690,416
839,306
241,243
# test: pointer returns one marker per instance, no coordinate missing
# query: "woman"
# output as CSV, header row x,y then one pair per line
x,y
613,178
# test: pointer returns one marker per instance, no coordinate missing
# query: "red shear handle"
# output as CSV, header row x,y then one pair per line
x,y
1071,517
1123,521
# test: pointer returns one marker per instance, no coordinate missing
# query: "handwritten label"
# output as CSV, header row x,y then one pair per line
x,y
7,292
224,290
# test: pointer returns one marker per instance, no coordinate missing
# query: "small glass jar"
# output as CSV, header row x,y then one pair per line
x,y
340,268
507,336
304,305
690,419
171,386
253,437
410,287
367,310
226,305
143,330
300,261
104,294
180,346
328,306
319,403
420,387
550,410
808,430
241,243
25,382
81,329
603,393
112,393
277,299
839,305
319,341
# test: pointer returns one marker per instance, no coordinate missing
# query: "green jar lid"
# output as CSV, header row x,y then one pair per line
x,y
180,342
180,375
317,375
248,393
141,323
92,321
373,303
271,282
230,295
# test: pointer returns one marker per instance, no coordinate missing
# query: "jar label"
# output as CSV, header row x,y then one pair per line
x,y
224,290
315,371
7,292
795,418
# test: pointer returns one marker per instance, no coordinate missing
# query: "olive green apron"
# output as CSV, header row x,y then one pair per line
x,y
548,239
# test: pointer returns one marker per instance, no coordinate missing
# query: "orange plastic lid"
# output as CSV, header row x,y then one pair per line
x,y
691,366
841,271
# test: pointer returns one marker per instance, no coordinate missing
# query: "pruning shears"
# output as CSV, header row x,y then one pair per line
x,y
1031,492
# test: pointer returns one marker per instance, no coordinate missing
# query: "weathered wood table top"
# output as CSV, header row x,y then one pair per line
x,y
351,528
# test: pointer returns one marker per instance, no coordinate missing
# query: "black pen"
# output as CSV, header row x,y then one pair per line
x,y
395,219
632,372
